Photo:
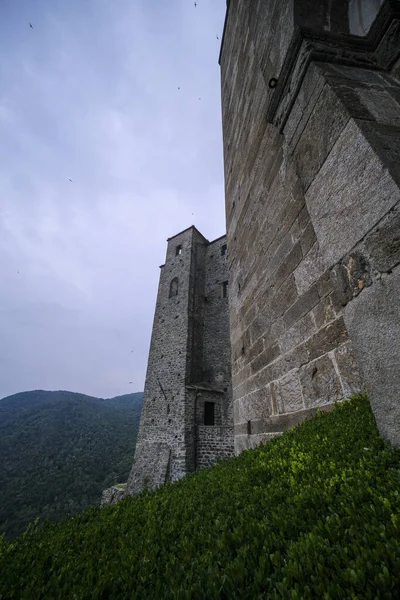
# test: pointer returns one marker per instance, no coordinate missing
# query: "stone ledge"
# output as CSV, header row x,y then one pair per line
x,y
279,423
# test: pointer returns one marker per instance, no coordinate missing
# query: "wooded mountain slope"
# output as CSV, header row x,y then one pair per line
x,y
59,450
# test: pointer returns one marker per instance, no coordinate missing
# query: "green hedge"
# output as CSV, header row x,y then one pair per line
x,y
312,514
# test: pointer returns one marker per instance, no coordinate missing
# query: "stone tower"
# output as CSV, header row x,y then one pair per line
x,y
187,415
311,128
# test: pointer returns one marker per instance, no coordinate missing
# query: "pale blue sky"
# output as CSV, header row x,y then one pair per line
x,y
90,93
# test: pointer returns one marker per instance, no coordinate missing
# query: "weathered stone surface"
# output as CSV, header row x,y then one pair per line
x,y
385,142
348,369
287,393
328,119
302,306
320,383
381,105
383,244
351,276
373,321
327,338
113,494
323,313
343,197
296,335
256,405
309,270
308,238
213,444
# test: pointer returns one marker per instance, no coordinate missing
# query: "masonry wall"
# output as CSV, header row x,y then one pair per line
x,y
161,448
310,151
217,346
214,443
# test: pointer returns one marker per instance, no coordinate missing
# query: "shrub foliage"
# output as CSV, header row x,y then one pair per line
x,y
311,514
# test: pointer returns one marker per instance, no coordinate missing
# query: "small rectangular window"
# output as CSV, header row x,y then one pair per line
x,y
223,250
209,413
224,290
178,250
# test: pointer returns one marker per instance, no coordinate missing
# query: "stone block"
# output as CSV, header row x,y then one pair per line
x,y
287,393
373,321
385,142
352,191
351,276
308,238
383,244
302,306
323,128
324,312
304,218
284,298
382,106
348,369
309,270
297,334
255,349
287,266
265,358
257,405
350,95
324,284
320,383
327,339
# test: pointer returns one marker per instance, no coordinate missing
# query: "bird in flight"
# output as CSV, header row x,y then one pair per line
x,y
70,180
131,382
30,25
217,38
179,88
195,4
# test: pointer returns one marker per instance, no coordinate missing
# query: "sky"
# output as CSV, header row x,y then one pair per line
x,y
90,93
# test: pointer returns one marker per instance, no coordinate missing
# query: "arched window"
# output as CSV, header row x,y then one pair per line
x,y
173,288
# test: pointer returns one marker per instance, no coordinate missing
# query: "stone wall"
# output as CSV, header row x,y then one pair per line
x,y
310,154
213,444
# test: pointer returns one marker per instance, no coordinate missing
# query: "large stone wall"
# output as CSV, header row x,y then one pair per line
x,y
311,154
189,363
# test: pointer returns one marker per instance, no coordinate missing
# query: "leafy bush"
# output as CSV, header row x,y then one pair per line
x,y
311,514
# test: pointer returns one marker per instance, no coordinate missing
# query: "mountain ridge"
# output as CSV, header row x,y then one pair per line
x,y
59,450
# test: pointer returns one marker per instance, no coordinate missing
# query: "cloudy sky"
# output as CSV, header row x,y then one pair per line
x,y
90,93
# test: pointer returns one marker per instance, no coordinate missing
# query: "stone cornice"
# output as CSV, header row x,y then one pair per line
x,y
379,50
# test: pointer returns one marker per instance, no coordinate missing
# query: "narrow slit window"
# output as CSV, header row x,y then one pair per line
x,y
224,289
178,250
223,250
209,413
173,288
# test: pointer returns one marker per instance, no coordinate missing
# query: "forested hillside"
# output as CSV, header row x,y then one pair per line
x,y
59,450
